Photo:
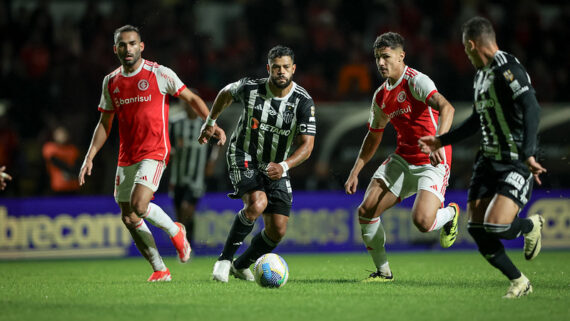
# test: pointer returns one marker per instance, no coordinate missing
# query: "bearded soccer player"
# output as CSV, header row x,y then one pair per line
x,y
137,92
506,112
276,112
410,101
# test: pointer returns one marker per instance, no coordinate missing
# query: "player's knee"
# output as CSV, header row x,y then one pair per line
x,y
139,207
129,221
365,212
423,223
255,208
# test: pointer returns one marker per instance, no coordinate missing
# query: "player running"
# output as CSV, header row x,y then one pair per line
x,y
506,112
137,92
410,101
277,112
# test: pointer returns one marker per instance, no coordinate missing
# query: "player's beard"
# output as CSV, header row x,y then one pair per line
x,y
281,85
136,57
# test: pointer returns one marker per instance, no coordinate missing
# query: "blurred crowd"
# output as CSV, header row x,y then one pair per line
x,y
52,66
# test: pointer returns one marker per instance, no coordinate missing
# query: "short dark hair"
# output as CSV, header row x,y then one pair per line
x,y
478,28
280,51
389,39
125,28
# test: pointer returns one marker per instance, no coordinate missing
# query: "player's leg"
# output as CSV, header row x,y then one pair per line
x,y
263,242
383,192
427,213
255,203
489,178
279,200
144,242
377,199
147,180
512,192
492,249
136,226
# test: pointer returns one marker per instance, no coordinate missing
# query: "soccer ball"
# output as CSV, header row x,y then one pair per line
x,y
271,271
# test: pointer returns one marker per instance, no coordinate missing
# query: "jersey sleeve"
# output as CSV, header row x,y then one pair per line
x,y
106,104
377,119
306,119
237,89
422,87
168,81
518,80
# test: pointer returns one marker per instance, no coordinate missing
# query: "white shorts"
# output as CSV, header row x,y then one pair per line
x,y
405,180
146,172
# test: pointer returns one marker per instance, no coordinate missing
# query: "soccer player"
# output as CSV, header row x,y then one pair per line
x,y
276,111
190,165
506,111
410,101
137,92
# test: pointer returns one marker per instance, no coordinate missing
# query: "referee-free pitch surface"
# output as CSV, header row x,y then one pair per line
x,y
438,285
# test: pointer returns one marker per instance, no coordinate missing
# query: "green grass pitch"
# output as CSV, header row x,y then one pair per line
x,y
446,285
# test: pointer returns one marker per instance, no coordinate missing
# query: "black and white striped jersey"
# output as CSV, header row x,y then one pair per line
x,y
502,96
189,157
268,124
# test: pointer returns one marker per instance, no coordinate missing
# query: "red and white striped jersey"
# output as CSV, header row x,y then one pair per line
x,y
404,104
140,101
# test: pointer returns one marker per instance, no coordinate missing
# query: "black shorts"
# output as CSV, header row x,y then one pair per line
x,y
279,193
511,179
184,193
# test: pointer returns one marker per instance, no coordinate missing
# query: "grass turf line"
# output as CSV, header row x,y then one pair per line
x,y
447,285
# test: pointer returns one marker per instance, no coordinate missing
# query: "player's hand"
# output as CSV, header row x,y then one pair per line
x,y
274,171
206,133
220,135
535,168
85,169
429,144
351,185
4,178
437,157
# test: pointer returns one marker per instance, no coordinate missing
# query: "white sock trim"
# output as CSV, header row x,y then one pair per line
x,y
157,217
442,216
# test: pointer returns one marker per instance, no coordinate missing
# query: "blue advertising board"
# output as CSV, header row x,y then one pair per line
x,y
90,226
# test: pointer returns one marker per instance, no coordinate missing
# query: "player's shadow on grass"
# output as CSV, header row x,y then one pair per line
x,y
451,283
316,281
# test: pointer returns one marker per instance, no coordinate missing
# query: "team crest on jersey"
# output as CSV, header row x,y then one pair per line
x,y
143,84
248,173
401,96
288,116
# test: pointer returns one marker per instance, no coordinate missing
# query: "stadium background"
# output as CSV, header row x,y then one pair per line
x,y
55,54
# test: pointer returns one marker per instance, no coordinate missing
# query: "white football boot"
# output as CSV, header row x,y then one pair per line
x,y
244,274
532,239
519,287
221,271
